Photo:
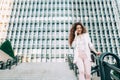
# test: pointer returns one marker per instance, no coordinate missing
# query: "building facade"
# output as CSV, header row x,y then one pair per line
x,y
5,12
119,6
39,29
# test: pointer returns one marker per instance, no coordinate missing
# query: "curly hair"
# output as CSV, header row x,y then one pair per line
x,y
72,31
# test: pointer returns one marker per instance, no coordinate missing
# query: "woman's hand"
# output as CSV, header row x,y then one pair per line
x,y
74,61
75,33
98,53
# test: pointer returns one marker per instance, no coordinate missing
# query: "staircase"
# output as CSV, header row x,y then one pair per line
x,y
39,71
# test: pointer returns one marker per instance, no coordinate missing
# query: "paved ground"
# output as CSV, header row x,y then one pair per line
x,y
38,71
94,77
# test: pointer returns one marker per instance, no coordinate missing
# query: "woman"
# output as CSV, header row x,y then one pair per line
x,y
82,45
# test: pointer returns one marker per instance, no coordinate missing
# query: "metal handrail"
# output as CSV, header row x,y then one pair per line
x,y
10,62
105,67
112,67
95,68
75,68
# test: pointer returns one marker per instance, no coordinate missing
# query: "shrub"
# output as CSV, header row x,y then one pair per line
x,y
7,48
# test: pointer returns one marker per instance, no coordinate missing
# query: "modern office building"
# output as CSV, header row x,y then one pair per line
x,y
5,12
119,6
39,29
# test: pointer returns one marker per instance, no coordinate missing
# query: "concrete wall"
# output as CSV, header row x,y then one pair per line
x,y
3,56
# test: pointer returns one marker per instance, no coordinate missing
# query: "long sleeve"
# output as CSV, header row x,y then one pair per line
x,y
74,44
91,46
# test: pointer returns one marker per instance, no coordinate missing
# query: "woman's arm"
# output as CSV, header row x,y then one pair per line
x,y
91,46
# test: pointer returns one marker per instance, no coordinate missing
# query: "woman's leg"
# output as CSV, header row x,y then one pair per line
x,y
87,67
80,66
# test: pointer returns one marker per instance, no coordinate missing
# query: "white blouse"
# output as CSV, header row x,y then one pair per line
x,y
82,43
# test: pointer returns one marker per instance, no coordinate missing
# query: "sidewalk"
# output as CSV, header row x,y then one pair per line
x,y
39,71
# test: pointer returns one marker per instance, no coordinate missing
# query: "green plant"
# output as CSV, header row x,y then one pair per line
x,y
7,48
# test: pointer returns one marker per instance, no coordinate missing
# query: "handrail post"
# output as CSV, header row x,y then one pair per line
x,y
104,70
95,58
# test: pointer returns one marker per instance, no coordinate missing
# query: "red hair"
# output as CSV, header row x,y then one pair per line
x,y
72,31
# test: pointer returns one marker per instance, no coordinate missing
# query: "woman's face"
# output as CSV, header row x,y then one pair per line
x,y
79,29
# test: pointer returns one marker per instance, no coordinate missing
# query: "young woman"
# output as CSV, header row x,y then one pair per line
x,y
80,40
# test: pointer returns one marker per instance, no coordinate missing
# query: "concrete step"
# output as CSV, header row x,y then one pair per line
x,y
95,77
39,71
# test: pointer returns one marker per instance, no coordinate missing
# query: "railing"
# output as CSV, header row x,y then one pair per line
x,y
105,66
10,63
108,69
94,69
